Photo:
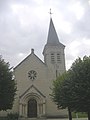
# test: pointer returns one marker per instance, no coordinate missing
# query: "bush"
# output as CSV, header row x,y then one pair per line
x,y
12,116
3,118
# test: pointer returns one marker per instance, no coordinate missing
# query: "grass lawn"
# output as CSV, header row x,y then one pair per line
x,y
79,115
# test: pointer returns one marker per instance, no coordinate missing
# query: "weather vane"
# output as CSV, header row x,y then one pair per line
x,y
50,13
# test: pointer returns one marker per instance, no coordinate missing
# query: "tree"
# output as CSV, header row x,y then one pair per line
x,y
61,92
73,91
7,86
80,75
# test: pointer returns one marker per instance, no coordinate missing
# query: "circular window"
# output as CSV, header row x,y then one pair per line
x,y
32,75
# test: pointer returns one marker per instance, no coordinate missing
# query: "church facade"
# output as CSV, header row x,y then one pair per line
x,y
34,79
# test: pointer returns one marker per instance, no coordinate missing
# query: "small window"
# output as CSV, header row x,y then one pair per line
x,y
58,58
52,58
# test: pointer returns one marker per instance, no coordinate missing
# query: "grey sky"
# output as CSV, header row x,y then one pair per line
x,y
24,25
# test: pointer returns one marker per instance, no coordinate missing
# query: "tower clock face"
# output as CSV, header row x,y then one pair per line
x,y
32,75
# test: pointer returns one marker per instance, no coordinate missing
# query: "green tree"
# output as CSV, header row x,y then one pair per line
x,y
80,75
61,92
73,90
7,86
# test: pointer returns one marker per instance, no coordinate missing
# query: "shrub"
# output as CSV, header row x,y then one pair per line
x,y
3,118
12,116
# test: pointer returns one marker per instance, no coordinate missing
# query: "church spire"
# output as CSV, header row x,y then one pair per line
x,y
52,39
52,35
54,51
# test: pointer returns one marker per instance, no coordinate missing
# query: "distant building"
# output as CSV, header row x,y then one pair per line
x,y
34,79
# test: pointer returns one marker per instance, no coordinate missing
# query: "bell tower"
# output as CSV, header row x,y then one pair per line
x,y
53,52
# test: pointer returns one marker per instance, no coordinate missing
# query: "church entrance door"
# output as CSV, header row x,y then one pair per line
x,y
32,108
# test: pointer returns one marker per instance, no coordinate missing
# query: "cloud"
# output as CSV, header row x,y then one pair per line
x,y
24,25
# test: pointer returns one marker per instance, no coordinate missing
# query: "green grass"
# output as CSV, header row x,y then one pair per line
x,y
79,114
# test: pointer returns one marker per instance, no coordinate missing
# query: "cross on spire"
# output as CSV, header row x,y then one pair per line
x,y
50,13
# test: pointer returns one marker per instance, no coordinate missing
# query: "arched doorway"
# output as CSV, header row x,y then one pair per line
x,y
32,108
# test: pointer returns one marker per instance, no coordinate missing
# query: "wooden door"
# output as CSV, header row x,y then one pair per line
x,y
32,108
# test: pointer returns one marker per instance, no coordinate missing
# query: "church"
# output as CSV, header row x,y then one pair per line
x,y
34,79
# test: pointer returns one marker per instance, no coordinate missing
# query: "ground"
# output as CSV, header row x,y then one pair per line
x,y
72,119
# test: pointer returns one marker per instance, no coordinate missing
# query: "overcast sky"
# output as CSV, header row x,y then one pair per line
x,y
24,25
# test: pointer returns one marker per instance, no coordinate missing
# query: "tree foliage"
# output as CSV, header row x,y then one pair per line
x,y
73,90
7,86
80,71
59,91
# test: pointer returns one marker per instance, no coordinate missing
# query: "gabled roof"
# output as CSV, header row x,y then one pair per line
x,y
32,52
32,86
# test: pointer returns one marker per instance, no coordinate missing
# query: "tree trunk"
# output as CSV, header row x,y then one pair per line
x,y
70,114
88,115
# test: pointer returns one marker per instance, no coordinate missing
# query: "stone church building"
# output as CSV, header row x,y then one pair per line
x,y
34,79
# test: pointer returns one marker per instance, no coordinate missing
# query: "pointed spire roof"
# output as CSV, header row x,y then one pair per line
x,y
52,35
52,39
